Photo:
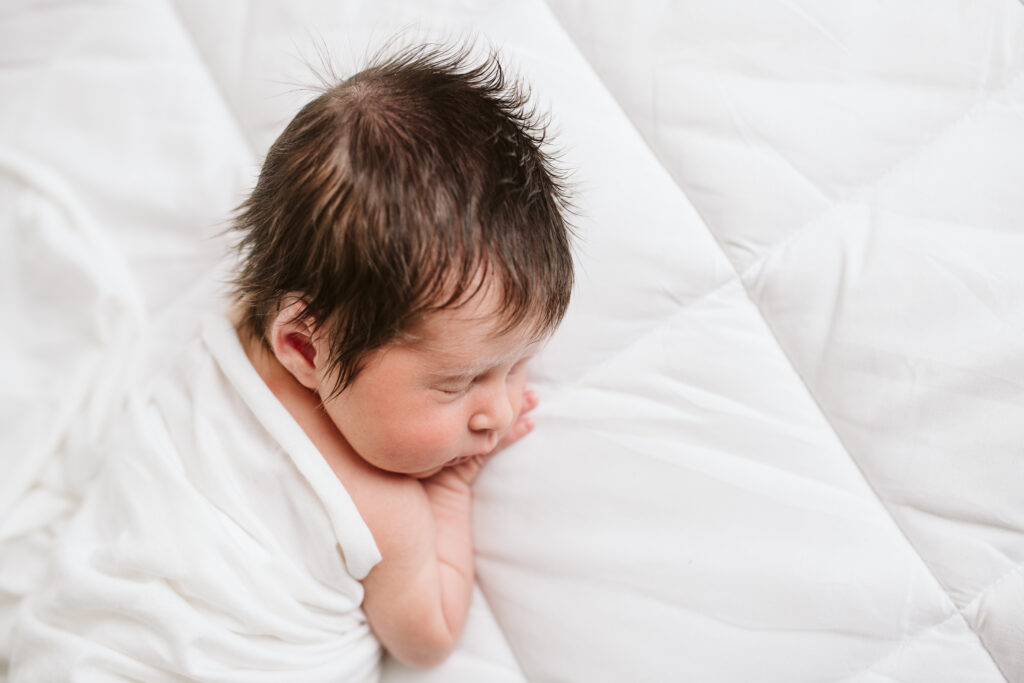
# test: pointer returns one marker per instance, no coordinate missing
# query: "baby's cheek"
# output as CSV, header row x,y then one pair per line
x,y
430,431
436,434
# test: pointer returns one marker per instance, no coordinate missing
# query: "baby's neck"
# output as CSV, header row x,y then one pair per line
x,y
302,404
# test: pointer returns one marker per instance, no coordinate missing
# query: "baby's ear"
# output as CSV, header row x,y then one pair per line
x,y
294,341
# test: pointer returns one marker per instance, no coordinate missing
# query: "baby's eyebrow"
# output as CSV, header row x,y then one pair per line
x,y
447,378
474,371
463,374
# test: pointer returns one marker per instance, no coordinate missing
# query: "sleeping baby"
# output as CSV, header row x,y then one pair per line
x,y
295,492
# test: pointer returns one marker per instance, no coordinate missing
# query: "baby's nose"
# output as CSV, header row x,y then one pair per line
x,y
495,414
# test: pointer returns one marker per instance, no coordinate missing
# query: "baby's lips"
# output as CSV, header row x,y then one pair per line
x,y
455,462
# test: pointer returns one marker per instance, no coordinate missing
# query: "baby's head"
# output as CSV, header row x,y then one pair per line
x,y
413,193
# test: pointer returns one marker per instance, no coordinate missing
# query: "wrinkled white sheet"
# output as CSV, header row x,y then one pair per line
x,y
208,546
780,434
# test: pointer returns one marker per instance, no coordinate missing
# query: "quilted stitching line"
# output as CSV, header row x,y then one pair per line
x,y
849,197
917,636
664,322
1016,569
978,598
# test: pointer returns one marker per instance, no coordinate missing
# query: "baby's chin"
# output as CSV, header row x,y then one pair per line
x,y
426,475
393,465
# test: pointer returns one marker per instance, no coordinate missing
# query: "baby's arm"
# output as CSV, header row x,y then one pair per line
x,y
404,596
417,598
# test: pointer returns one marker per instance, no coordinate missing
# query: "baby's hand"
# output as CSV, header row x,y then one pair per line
x,y
523,424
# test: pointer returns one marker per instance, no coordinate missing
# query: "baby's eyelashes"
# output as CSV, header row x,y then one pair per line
x,y
453,385
453,390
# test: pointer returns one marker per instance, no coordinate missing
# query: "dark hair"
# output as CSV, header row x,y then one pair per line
x,y
389,195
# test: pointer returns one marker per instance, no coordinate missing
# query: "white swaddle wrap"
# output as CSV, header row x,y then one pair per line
x,y
216,545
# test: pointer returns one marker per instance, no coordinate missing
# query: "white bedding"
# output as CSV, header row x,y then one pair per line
x,y
207,548
781,434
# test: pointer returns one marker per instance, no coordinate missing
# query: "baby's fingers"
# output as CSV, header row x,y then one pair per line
x,y
530,401
523,426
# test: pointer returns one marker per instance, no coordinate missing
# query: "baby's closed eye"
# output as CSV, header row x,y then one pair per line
x,y
454,390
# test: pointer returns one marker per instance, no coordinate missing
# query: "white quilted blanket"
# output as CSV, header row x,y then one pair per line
x,y
781,435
